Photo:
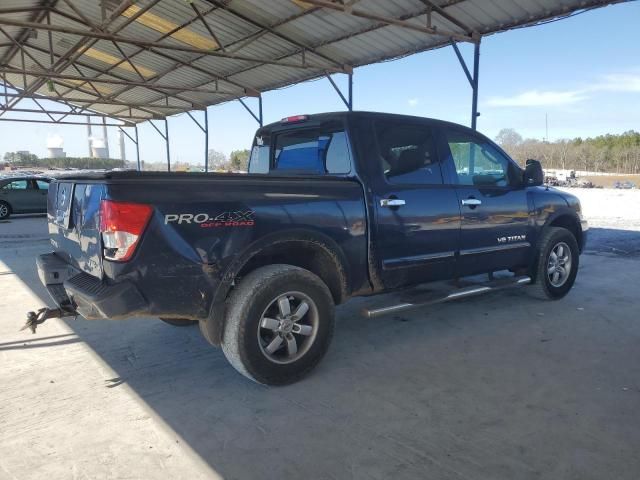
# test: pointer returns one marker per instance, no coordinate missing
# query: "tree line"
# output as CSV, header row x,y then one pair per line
x,y
604,153
238,160
23,159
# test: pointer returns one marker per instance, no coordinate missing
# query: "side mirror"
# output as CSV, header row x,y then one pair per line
x,y
533,174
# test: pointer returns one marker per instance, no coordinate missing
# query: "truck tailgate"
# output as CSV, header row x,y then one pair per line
x,y
73,213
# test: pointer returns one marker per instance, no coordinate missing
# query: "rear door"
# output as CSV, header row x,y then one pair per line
x,y
496,224
417,215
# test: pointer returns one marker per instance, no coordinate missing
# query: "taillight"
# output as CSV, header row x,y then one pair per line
x,y
121,225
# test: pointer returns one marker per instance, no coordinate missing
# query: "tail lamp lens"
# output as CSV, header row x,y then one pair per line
x,y
121,225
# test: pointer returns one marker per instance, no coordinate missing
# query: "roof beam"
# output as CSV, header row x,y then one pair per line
x,y
446,15
36,17
206,25
273,31
146,44
95,70
357,12
100,101
129,20
84,114
110,81
20,96
7,11
28,120
72,53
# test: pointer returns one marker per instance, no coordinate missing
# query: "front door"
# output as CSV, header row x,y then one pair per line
x,y
41,189
496,228
19,194
417,215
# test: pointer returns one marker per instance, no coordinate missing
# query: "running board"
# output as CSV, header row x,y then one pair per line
x,y
461,293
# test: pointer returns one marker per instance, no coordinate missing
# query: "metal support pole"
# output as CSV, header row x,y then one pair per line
x,y
89,136
257,118
137,149
351,92
337,89
6,96
206,140
166,140
106,138
123,154
476,74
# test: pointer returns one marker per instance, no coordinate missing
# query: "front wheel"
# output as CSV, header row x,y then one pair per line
x,y
557,263
279,323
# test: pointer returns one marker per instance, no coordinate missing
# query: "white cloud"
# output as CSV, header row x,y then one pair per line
x,y
619,82
615,82
413,102
538,98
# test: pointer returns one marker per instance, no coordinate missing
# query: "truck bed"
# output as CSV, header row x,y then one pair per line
x,y
192,238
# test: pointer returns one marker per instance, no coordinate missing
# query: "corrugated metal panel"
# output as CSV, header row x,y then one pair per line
x,y
273,31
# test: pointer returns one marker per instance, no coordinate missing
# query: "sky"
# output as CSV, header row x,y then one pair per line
x,y
583,73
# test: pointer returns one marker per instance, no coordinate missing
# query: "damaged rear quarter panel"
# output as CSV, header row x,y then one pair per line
x,y
202,225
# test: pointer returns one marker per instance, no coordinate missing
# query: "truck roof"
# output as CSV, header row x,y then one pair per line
x,y
341,115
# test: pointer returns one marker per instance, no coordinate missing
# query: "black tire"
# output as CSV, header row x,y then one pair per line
x,y
552,239
5,210
246,343
179,322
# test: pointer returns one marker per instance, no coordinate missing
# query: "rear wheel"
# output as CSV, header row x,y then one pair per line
x,y
279,323
179,322
5,210
557,263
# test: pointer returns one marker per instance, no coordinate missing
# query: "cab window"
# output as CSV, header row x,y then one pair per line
x,y
408,154
477,162
312,150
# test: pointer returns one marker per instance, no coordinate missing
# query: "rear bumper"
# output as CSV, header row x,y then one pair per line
x,y
88,295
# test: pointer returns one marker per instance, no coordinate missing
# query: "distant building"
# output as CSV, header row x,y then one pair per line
x,y
99,152
56,152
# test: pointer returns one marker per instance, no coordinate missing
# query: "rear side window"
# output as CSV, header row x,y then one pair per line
x,y
259,160
42,184
16,185
408,154
312,150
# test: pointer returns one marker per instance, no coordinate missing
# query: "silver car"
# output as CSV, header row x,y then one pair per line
x,y
23,194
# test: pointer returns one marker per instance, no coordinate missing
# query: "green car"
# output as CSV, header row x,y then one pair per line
x,y
26,194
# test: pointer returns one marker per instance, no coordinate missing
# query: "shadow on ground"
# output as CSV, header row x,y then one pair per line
x,y
502,386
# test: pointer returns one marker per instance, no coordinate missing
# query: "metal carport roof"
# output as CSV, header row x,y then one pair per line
x,y
152,58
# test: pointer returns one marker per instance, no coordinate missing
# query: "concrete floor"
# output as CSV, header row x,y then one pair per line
x,y
497,387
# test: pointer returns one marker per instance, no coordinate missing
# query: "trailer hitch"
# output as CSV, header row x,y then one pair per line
x,y
36,318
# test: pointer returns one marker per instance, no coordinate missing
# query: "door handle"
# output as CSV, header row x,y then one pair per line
x,y
392,202
471,202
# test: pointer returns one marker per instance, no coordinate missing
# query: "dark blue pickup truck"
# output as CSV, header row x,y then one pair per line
x,y
335,205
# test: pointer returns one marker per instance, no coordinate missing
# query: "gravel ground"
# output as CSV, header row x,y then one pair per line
x,y
614,220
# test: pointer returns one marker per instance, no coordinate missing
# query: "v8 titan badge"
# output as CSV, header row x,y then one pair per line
x,y
238,218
